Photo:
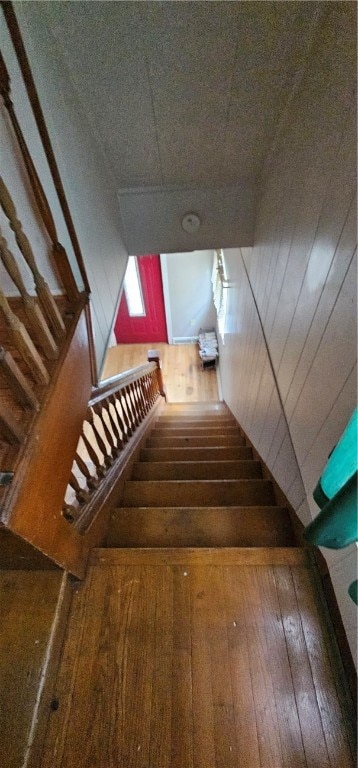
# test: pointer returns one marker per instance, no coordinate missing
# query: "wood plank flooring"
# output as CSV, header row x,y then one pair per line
x,y
184,378
208,647
29,601
187,664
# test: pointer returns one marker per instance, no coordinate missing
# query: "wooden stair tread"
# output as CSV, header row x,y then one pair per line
x,y
200,527
196,441
200,470
206,492
194,431
210,453
245,556
192,421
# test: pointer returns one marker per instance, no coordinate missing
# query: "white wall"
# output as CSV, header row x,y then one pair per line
x,y
188,292
299,280
87,182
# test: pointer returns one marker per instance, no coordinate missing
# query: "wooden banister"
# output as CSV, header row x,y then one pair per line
x,y
45,296
115,412
22,342
114,383
33,312
10,372
153,356
58,250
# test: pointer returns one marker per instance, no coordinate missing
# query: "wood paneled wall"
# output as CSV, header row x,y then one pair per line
x,y
299,281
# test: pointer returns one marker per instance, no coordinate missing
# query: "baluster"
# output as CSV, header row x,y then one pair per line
x,y
114,400
130,407
23,343
58,252
32,309
132,390
153,357
100,442
91,481
70,512
141,392
136,405
82,495
126,412
147,391
10,429
114,425
45,296
100,469
17,382
153,381
98,408
139,384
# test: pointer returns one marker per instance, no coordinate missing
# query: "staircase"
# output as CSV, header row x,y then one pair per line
x,y
197,485
199,638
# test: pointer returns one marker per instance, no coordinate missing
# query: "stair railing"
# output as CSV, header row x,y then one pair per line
x,y
32,331
115,412
32,327
58,252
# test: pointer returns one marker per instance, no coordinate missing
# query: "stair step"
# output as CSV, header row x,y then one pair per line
x,y
200,527
233,453
209,407
206,493
245,556
171,422
199,470
194,431
198,413
194,442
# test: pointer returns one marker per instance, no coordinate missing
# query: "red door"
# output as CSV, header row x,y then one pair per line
x,y
152,325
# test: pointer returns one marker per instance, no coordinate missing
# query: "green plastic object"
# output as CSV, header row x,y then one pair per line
x,y
336,525
341,465
353,591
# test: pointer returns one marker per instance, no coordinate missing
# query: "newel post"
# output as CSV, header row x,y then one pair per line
x,y
153,357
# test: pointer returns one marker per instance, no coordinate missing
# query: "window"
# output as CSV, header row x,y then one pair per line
x,y
133,289
220,284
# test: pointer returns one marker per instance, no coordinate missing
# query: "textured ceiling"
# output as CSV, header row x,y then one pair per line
x,y
182,94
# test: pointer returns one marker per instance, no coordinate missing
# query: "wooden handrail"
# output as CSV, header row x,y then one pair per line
x,y
59,251
115,411
111,385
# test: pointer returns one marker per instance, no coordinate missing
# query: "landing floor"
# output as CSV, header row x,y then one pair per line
x,y
194,659
184,378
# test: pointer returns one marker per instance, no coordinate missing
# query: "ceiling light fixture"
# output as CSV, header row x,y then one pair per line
x,y
190,223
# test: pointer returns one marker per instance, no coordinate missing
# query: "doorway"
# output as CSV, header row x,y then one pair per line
x,y
141,313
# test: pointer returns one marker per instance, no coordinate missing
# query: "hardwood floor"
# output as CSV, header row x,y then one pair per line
x,y
179,663
184,378
199,638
